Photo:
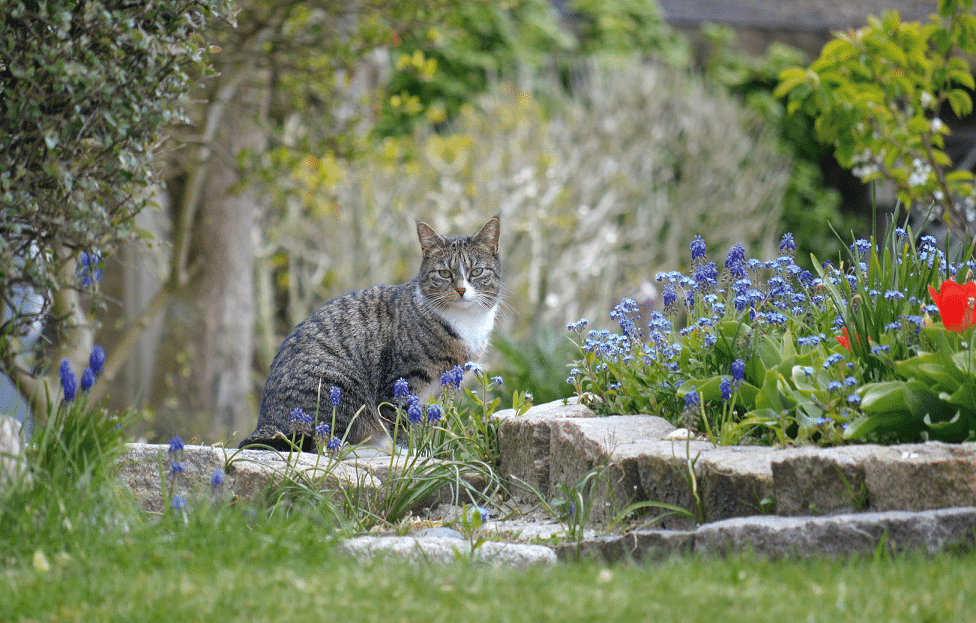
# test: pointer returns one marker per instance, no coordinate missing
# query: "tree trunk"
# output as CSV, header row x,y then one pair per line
x,y
202,390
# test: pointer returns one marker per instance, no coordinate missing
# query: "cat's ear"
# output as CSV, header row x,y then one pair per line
x,y
428,238
489,234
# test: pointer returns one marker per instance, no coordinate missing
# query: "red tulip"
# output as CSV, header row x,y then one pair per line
x,y
956,304
844,341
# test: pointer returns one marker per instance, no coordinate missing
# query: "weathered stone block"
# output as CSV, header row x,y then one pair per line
x,y
523,443
608,447
638,546
248,473
820,481
920,477
839,535
734,481
665,470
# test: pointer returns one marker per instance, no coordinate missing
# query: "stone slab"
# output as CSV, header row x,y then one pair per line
x,y
443,550
637,546
840,535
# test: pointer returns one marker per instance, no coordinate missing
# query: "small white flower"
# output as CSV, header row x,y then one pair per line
x,y
926,99
936,125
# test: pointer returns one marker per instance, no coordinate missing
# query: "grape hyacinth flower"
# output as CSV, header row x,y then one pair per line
x,y
88,270
697,249
217,478
178,503
726,388
433,413
175,445
401,388
97,360
68,380
415,412
738,371
87,379
300,422
335,396
322,432
453,377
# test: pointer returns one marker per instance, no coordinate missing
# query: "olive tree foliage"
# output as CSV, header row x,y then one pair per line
x,y
877,93
85,88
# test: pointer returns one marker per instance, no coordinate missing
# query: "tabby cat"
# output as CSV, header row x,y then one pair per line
x,y
363,342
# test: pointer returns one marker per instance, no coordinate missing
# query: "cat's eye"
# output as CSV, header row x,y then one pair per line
x,y
477,272
446,274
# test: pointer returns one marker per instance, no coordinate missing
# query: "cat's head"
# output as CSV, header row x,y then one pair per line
x,y
460,272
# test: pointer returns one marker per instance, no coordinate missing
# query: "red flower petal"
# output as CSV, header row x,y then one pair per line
x,y
956,304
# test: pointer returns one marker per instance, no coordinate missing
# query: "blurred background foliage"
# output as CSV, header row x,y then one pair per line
x,y
604,138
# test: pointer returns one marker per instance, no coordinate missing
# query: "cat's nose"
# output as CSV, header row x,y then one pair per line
x,y
461,291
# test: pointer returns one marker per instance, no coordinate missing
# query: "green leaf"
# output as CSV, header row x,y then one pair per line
x,y
884,397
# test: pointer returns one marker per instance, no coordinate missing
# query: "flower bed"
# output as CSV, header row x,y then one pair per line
x,y
876,348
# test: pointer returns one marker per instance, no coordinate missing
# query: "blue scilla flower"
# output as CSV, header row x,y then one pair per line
x,y
725,386
691,398
833,359
453,377
401,388
497,380
578,326
900,233
893,294
834,386
775,318
175,445
217,477
854,399
787,244
415,412
433,413
335,396
69,382
861,247
850,381
697,248
659,324
811,340
472,366
624,308
881,348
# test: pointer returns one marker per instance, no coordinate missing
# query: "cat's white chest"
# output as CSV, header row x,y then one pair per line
x,y
473,324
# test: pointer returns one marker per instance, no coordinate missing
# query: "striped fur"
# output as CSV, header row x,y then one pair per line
x,y
363,342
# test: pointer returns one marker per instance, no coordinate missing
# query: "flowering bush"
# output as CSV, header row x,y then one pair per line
x,y
770,352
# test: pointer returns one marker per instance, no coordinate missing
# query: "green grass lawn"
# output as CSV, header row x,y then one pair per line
x,y
233,564
75,547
